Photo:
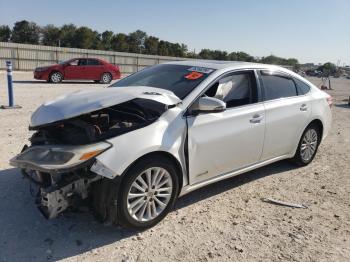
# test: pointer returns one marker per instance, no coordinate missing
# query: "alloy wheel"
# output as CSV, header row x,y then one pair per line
x,y
308,145
106,78
56,77
149,194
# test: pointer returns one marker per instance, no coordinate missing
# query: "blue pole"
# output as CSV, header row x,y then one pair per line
x,y
9,82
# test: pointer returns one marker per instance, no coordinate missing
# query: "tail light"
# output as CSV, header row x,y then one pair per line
x,y
330,101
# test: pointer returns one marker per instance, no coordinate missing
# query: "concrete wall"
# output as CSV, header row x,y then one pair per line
x,y
27,57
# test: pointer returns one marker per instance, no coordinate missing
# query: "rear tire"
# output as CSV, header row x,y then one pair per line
x,y
308,146
56,77
106,78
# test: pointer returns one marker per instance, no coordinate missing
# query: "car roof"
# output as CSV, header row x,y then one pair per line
x,y
214,64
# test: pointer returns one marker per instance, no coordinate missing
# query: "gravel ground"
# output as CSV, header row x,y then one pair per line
x,y
226,221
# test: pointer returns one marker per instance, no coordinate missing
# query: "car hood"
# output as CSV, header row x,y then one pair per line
x,y
83,102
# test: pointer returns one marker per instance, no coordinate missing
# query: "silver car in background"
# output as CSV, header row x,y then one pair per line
x,y
132,149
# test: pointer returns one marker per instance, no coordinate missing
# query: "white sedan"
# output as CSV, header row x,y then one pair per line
x,y
132,149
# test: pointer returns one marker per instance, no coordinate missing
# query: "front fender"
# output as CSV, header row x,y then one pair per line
x,y
167,134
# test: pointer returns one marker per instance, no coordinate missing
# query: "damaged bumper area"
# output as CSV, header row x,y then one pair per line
x,y
62,174
71,131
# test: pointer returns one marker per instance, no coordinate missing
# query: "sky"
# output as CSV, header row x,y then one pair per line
x,y
315,31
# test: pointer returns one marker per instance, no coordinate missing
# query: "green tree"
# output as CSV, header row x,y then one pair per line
x,y
84,38
5,33
151,45
328,68
120,43
68,35
136,41
106,40
25,32
51,35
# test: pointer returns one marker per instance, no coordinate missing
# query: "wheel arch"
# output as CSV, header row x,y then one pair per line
x,y
164,154
106,72
319,124
54,71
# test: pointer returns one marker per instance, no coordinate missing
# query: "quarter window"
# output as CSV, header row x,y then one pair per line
x,y
278,86
302,87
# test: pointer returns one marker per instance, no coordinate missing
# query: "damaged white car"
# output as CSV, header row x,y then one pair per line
x,y
129,151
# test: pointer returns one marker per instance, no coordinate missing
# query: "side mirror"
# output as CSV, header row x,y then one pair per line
x,y
208,105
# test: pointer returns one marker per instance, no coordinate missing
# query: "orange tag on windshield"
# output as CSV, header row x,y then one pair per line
x,y
193,75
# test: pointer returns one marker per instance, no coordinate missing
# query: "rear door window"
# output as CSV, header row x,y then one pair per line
x,y
93,62
277,85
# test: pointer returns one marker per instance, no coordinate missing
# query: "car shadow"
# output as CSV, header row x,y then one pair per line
x,y
27,236
231,183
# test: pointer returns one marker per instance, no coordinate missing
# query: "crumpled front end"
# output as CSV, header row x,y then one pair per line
x,y
62,174
71,132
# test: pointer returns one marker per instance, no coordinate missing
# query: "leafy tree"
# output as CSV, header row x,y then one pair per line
x,y
106,40
137,41
120,43
5,33
68,35
151,45
51,35
84,37
25,32
328,68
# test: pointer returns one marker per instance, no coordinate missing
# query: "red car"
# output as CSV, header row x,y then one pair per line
x,y
79,69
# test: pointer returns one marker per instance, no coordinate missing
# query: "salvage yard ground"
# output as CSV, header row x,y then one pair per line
x,y
226,221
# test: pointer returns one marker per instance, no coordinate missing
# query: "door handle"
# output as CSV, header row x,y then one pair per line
x,y
303,107
256,119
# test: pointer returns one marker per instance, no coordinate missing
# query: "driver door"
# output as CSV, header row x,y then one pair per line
x,y
219,143
75,69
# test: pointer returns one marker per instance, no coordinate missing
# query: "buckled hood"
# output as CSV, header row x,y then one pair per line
x,y
83,102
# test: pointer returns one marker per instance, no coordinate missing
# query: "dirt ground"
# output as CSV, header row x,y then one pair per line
x,y
226,221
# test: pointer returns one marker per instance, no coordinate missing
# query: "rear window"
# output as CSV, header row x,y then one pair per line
x,y
277,86
179,79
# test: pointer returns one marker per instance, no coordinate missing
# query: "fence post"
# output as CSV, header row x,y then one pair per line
x,y
9,87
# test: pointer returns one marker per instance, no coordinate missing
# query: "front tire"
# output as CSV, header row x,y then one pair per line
x,y
147,193
56,77
308,146
106,78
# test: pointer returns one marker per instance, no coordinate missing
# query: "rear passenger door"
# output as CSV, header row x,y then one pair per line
x,y
286,112
93,69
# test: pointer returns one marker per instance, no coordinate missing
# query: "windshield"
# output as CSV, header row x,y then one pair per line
x,y
179,79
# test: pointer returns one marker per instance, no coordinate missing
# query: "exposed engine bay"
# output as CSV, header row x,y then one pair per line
x,y
60,188
100,125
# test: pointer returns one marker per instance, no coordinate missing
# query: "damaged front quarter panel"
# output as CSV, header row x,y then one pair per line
x,y
73,131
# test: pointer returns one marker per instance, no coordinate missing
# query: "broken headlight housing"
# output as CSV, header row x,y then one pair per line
x,y
45,156
56,157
